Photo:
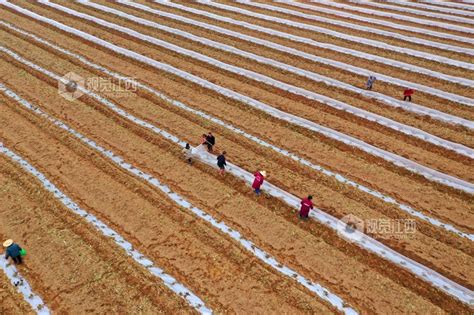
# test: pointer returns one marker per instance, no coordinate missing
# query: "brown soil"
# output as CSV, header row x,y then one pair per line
x,y
326,38
380,38
201,188
90,272
12,301
413,15
397,21
435,158
388,89
450,132
212,265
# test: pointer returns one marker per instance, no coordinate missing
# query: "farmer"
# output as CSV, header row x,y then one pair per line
x,y
13,251
221,163
407,94
306,206
370,82
258,181
211,141
188,153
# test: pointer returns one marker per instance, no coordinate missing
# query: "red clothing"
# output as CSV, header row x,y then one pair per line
x,y
408,92
258,181
306,205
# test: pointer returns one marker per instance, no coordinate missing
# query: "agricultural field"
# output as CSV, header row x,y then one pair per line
x,y
99,98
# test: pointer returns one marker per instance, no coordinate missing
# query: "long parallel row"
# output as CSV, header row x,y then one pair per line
x,y
390,157
324,218
371,30
263,143
445,17
322,30
442,4
317,289
16,279
141,259
418,109
399,17
432,8
347,51
411,131
402,27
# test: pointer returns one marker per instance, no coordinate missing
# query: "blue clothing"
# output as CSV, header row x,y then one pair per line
x,y
13,251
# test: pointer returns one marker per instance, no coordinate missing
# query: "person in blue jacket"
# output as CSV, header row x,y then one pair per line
x,y
12,250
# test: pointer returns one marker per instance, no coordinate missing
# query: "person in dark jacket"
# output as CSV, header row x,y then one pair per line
x,y
258,181
12,250
221,163
210,141
306,206
188,153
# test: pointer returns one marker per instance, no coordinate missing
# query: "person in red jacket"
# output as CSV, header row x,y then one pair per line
x,y
258,181
306,206
407,94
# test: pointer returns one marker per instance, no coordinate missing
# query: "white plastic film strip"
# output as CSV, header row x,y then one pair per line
x,y
322,30
422,6
426,172
168,280
400,17
361,239
18,281
445,17
340,178
376,31
408,106
194,301
442,4
402,27
344,66
386,122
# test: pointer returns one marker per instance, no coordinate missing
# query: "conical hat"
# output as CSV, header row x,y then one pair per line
x,y
7,243
263,173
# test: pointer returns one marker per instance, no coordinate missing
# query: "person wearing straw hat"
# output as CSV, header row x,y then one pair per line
x,y
258,181
13,250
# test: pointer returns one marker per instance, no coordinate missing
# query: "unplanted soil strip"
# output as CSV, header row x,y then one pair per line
x,y
218,121
356,39
307,74
361,239
395,16
432,8
337,64
411,39
20,283
441,4
168,280
386,122
348,140
316,288
445,17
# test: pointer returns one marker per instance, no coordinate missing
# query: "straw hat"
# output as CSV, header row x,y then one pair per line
x,y
7,243
263,173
